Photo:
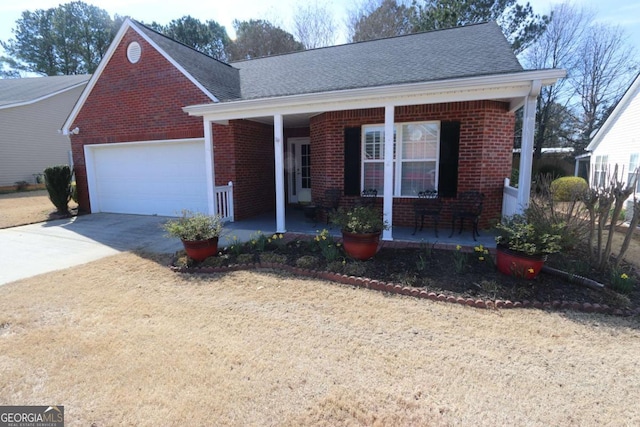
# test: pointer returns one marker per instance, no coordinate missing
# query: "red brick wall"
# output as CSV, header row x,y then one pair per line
x,y
134,102
244,154
486,140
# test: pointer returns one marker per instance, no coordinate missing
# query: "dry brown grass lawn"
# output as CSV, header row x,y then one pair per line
x,y
124,341
26,208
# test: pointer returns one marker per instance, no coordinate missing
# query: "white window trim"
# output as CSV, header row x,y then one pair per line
x,y
634,169
398,160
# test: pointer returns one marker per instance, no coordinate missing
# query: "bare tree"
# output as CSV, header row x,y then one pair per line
x,y
314,25
558,47
374,19
601,76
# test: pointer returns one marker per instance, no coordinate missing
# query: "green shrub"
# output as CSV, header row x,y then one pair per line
x,y
355,268
568,188
58,182
245,259
273,258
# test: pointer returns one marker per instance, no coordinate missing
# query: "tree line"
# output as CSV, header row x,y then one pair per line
x,y
72,39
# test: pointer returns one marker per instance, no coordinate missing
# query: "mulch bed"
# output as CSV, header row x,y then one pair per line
x,y
431,273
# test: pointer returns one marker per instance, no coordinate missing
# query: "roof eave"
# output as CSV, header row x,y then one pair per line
x,y
42,98
511,86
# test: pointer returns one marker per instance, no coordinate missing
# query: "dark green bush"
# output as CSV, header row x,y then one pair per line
x,y
568,188
58,182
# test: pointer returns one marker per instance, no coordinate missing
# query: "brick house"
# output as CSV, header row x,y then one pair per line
x,y
164,128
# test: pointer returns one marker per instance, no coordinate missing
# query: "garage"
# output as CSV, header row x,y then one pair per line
x,y
147,178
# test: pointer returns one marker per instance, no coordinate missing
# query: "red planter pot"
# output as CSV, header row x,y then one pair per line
x,y
360,246
200,250
517,264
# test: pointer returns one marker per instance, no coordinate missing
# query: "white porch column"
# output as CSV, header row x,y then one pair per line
x,y
278,145
387,201
526,154
209,168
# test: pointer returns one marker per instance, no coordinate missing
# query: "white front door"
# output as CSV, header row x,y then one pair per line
x,y
299,166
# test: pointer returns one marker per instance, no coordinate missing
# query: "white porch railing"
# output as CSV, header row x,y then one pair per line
x,y
509,199
224,201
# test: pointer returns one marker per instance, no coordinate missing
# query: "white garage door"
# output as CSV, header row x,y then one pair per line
x,y
147,178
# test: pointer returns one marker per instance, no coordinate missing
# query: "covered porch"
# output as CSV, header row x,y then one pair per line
x,y
298,223
480,108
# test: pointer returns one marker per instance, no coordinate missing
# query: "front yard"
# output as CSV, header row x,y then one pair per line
x,y
26,208
124,341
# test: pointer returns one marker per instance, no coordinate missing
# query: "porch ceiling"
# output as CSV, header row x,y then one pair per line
x,y
289,120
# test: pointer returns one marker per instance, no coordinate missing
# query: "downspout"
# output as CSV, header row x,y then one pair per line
x,y
526,154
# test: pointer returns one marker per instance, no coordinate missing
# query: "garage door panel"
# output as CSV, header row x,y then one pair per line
x,y
159,178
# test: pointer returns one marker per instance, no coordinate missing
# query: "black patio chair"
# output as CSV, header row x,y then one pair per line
x,y
468,205
368,197
427,204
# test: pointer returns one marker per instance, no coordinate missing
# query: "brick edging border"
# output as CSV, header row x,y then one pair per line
x,y
392,288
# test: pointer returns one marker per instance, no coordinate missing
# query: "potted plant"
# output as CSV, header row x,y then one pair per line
x,y
361,227
199,233
522,247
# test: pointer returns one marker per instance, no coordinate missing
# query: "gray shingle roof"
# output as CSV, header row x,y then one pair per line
x,y
18,91
221,79
468,51
473,50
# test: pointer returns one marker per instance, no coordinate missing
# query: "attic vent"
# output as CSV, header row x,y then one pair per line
x,y
133,52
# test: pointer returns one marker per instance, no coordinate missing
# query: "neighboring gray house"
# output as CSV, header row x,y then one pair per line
x,y
32,110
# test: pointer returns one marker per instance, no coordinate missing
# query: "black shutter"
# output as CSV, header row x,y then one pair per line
x,y
352,161
449,150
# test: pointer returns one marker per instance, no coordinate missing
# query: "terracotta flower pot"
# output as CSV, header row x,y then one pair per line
x,y
360,246
518,264
200,250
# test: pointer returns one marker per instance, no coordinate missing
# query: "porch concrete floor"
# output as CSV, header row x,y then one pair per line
x,y
296,222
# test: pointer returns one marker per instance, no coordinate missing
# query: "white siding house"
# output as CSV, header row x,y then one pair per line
x,y
617,142
32,112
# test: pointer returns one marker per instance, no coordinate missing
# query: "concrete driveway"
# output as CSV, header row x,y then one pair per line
x,y
29,250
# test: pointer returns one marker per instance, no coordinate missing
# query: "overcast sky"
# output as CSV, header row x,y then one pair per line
x,y
625,13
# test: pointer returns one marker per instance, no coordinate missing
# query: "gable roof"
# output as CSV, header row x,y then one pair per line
x,y
24,91
221,79
473,50
629,95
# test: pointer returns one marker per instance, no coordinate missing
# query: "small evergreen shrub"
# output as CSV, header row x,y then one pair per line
x,y
58,183
245,259
307,261
273,258
568,188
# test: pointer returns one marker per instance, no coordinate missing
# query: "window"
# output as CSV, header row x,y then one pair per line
x,y
634,171
600,171
415,158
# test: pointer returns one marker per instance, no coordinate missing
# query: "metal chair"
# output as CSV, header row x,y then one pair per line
x,y
467,205
427,204
368,197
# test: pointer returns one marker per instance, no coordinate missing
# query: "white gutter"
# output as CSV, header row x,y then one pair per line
x,y
501,86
